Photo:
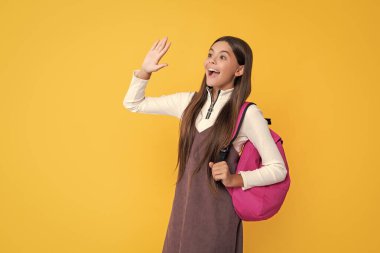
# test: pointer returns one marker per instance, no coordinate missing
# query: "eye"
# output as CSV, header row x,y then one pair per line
x,y
209,55
223,56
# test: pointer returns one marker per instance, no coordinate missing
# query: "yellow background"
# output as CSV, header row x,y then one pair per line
x,y
80,173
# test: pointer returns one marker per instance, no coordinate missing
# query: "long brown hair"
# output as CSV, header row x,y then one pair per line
x,y
226,120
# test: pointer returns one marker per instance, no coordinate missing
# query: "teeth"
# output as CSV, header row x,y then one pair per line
x,y
210,69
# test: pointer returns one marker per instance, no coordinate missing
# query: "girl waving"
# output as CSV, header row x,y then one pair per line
x,y
203,218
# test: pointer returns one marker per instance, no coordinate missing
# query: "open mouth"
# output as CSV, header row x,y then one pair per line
x,y
212,73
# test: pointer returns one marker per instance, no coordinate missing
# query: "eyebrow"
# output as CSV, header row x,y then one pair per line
x,y
220,51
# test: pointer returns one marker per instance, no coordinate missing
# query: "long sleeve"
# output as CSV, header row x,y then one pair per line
x,y
136,101
273,169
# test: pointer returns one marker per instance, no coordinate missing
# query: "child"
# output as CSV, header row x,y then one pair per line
x,y
202,217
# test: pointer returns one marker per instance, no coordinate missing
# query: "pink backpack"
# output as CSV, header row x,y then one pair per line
x,y
259,202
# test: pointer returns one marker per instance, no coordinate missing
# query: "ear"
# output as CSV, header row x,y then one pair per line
x,y
240,71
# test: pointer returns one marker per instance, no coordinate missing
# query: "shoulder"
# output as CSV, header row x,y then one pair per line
x,y
254,112
253,119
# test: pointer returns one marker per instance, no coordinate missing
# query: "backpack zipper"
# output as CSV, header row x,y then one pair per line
x,y
212,105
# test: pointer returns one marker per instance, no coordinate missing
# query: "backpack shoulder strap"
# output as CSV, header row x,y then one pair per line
x,y
224,152
240,119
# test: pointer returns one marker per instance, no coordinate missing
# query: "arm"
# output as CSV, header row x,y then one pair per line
x,y
136,101
273,169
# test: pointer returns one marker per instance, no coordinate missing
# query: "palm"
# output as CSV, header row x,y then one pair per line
x,y
154,55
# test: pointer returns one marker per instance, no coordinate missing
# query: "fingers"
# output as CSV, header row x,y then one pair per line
x,y
162,51
162,43
218,170
159,44
218,175
162,65
154,45
166,47
216,165
159,48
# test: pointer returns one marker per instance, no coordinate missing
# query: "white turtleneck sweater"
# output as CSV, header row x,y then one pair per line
x,y
254,127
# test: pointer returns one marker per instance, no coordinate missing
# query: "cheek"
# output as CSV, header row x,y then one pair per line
x,y
229,69
226,71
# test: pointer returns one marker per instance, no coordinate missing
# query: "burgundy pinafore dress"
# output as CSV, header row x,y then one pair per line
x,y
200,222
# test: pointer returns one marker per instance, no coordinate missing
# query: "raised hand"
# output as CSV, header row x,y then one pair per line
x,y
157,51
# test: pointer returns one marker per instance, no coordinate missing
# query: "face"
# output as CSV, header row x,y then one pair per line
x,y
221,59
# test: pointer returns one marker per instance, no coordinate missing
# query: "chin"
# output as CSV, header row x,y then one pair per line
x,y
212,83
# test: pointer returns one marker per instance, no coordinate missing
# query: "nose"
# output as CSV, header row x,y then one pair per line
x,y
211,59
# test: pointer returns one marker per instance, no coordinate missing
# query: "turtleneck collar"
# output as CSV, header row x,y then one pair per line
x,y
224,94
